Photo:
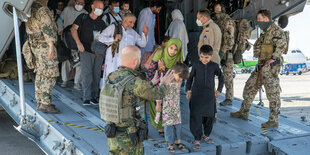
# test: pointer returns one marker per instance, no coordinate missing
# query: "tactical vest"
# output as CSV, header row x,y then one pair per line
x,y
266,50
111,101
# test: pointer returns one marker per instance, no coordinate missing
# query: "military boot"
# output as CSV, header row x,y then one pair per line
x,y
39,104
270,124
239,114
226,102
49,109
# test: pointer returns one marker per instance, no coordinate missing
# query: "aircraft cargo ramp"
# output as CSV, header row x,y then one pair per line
x,y
78,129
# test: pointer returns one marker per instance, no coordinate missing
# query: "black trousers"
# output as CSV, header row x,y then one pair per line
x,y
199,123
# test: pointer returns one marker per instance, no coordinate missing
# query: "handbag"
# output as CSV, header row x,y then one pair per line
x,y
99,47
63,53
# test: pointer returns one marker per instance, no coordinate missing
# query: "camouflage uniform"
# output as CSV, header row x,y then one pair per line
x,y
227,26
134,93
41,29
268,76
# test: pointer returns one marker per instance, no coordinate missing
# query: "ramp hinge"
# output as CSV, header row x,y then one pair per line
x,y
3,91
13,102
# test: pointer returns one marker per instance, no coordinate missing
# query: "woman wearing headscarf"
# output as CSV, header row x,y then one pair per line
x,y
162,61
177,29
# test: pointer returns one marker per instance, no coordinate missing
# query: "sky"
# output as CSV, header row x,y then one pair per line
x,y
299,28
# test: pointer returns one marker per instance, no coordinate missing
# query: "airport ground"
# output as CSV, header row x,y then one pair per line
x,y
295,102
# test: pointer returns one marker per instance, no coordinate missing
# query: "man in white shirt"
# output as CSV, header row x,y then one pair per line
x,y
147,17
66,18
129,37
113,15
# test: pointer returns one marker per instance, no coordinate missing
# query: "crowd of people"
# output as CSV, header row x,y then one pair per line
x,y
142,71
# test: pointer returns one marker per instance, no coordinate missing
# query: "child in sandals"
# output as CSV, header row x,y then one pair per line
x,y
170,108
200,91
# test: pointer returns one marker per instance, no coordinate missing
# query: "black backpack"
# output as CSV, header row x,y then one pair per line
x,y
67,35
63,53
109,18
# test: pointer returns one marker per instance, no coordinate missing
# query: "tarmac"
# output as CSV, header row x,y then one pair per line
x,y
295,102
12,142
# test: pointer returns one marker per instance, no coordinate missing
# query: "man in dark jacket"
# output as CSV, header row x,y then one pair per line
x,y
202,95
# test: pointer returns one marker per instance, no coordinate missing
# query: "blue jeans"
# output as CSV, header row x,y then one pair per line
x,y
172,133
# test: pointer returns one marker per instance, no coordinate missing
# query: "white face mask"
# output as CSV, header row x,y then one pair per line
x,y
78,7
198,22
98,12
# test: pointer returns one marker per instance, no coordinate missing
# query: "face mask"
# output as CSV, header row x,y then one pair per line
x,y
264,25
116,9
198,22
78,7
98,12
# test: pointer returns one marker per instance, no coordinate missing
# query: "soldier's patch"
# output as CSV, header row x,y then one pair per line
x,y
205,36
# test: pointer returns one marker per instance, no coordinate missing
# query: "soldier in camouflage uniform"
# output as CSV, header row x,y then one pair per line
x,y
227,26
40,54
268,49
126,138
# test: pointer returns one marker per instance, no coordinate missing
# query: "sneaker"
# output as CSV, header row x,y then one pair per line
x,y
238,114
77,86
64,84
226,102
270,124
94,102
86,103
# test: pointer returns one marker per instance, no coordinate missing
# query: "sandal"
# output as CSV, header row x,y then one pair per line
x,y
161,133
208,139
197,145
180,146
171,148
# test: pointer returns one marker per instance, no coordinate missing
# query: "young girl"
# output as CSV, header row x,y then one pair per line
x,y
171,112
149,56
162,61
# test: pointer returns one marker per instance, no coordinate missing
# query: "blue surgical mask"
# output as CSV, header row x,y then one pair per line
x,y
116,9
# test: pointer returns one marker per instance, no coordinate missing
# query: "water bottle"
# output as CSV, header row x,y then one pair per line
x,y
157,117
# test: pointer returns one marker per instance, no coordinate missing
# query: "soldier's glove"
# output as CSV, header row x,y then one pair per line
x,y
223,62
221,55
134,138
275,63
143,130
